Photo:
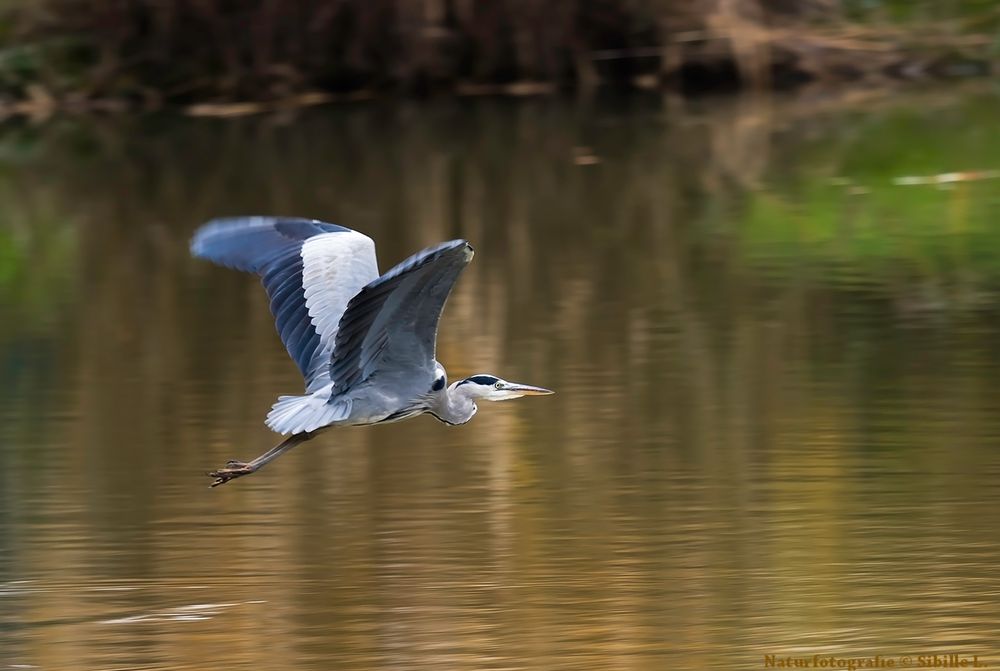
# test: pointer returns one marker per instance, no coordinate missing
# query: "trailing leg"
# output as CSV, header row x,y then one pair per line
x,y
237,469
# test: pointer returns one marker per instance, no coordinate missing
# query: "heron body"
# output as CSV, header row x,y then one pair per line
x,y
364,342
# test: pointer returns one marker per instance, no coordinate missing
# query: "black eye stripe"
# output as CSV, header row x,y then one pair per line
x,y
438,384
486,380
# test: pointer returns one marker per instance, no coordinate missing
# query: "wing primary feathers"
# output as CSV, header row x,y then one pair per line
x,y
310,270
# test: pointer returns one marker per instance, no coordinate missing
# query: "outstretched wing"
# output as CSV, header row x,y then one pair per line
x,y
390,327
310,270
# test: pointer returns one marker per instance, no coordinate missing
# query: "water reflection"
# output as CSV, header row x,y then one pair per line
x,y
775,429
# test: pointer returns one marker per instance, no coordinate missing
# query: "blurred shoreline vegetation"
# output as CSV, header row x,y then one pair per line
x,y
843,200
145,54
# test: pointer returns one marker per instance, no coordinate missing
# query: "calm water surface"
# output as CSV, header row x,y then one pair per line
x,y
776,428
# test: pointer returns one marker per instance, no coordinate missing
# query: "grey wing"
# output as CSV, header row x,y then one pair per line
x,y
310,270
389,330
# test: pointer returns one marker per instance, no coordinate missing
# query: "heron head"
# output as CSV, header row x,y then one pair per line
x,y
492,388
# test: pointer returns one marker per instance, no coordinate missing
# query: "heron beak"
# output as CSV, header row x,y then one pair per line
x,y
528,390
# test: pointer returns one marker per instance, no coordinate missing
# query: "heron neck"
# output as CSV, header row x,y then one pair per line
x,y
455,406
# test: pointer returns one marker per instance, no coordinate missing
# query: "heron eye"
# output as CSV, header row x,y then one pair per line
x,y
498,385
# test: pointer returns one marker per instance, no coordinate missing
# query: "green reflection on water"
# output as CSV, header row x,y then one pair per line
x,y
775,427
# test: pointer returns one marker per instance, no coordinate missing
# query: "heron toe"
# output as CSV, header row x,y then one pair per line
x,y
233,469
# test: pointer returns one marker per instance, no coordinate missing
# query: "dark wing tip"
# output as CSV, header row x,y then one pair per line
x,y
294,228
203,235
457,244
245,242
422,258
212,235
459,250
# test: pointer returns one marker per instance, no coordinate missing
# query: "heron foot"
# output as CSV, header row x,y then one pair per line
x,y
234,469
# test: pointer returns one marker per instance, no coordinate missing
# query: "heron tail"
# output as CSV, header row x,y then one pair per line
x,y
299,414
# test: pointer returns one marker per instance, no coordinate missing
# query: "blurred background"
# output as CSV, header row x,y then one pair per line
x,y
753,245
113,54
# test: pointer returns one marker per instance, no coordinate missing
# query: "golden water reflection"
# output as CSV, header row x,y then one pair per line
x,y
742,458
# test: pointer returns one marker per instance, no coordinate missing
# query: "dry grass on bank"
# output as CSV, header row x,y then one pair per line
x,y
145,53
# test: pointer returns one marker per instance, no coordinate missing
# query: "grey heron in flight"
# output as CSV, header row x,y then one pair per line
x,y
364,342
